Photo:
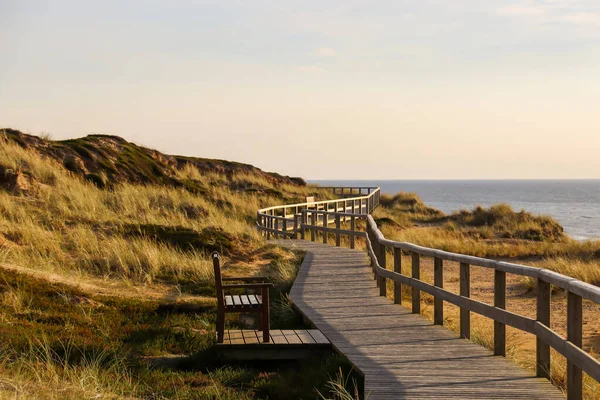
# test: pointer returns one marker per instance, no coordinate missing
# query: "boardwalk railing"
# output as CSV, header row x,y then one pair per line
x,y
293,219
297,220
570,347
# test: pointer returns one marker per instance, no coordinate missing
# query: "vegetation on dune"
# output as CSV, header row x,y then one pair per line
x,y
62,343
142,233
497,231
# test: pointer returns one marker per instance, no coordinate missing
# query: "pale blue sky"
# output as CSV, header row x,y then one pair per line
x,y
339,89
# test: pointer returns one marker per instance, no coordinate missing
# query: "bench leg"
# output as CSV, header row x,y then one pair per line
x,y
220,326
265,315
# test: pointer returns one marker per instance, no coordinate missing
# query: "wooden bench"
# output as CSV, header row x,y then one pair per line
x,y
251,303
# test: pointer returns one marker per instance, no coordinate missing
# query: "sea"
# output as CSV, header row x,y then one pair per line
x,y
575,204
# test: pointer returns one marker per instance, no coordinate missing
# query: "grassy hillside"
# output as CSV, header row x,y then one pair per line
x,y
106,289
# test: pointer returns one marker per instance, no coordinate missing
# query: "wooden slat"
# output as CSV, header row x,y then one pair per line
x,y
236,300
304,336
253,300
278,337
438,304
575,336
291,337
226,339
236,337
500,302
228,301
465,291
318,336
416,274
543,316
245,300
398,269
250,337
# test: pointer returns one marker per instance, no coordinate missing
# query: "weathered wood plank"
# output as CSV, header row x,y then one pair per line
x,y
401,354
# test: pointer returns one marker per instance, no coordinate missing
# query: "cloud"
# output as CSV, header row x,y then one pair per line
x,y
579,12
521,10
326,52
310,69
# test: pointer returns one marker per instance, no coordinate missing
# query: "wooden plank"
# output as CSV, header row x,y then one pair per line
x,y
253,300
337,227
318,336
575,336
352,228
383,264
291,337
398,269
402,355
236,337
500,302
543,316
226,339
465,291
245,300
236,300
438,281
416,274
228,300
277,337
250,336
304,336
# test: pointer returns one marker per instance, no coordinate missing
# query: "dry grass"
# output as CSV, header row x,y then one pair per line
x,y
66,224
149,240
584,270
43,373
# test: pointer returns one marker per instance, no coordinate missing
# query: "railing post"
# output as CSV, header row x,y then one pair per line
x,y
416,274
575,336
296,233
324,227
313,226
284,228
268,225
276,228
500,302
543,316
397,269
352,228
303,225
438,281
337,234
465,291
382,264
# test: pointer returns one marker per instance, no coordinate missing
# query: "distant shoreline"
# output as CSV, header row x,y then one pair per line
x,y
572,202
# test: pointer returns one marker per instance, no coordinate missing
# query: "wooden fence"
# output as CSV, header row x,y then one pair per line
x,y
316,216
288,220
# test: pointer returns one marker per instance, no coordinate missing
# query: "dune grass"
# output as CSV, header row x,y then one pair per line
x,y
497,231
61,340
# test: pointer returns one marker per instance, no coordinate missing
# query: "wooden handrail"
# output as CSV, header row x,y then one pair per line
x,y
577,359
278,222
309,217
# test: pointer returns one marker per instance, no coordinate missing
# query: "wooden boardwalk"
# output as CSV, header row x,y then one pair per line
x,y
402,355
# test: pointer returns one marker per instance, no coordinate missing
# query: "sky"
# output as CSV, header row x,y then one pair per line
x,y
373,89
